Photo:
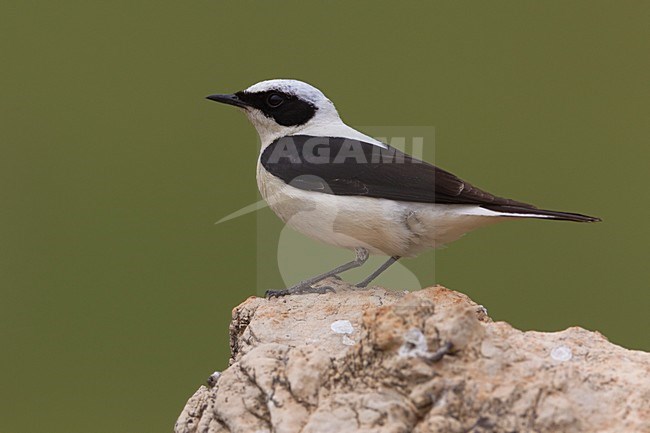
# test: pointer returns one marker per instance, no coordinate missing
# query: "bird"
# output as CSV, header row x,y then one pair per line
x,y
342,187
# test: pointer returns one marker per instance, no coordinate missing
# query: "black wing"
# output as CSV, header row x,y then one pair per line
x,y
341,166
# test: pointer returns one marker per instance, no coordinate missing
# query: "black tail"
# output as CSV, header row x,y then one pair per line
x,y
531,212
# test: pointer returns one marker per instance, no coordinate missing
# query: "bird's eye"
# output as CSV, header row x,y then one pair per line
x,y
274,100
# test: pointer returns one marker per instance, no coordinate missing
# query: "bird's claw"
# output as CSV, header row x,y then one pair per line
x,y
321,289
298,290
276,293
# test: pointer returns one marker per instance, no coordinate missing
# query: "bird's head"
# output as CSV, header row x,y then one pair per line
x,y
282,107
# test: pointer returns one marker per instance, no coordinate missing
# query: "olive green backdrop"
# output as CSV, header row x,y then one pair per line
x,y
116,286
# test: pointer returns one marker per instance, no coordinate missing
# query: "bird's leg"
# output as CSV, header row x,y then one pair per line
x,y
379,270
305,286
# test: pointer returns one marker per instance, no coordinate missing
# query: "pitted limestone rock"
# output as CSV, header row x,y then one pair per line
x,y
292,371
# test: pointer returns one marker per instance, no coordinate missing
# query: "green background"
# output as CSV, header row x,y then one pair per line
x,y
116,286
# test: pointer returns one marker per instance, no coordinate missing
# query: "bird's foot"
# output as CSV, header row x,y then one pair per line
x,y
298,290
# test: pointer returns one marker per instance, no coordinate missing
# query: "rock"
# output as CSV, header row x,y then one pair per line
x,y
428,361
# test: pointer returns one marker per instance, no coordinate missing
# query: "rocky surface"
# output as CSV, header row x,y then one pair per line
x,y
376,361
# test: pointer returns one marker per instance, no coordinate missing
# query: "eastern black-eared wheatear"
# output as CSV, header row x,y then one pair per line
x,y
339,186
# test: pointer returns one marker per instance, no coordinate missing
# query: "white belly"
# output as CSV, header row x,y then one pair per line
x,y
382,226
